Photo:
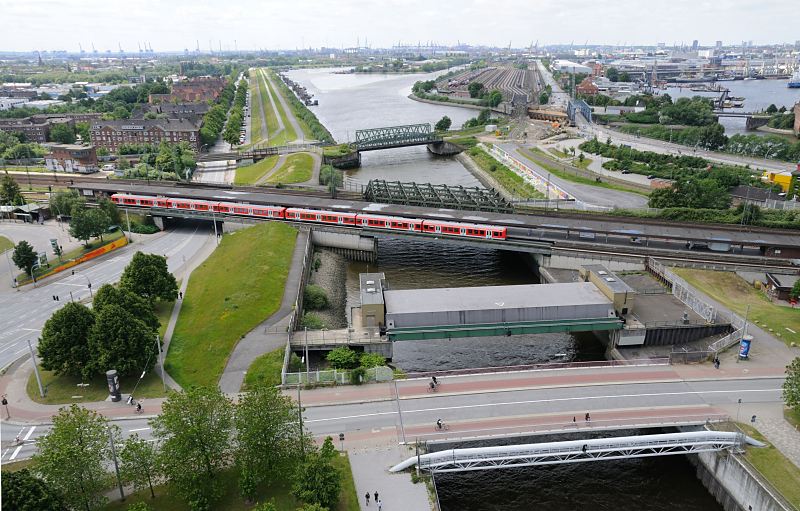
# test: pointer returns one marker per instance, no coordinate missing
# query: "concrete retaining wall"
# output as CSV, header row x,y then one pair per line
x,y
733,484
573,261
360,248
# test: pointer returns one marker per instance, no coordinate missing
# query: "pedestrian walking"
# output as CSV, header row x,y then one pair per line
x,y
587,418
367,498
180,295
376,497
574,419
380,505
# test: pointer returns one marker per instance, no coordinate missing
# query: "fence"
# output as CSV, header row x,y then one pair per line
x,y
543,366
298,307
337,377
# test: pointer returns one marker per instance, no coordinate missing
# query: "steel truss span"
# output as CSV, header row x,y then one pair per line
x,y
395,136
436,196
576,451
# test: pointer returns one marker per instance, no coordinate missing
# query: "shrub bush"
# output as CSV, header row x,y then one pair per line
x,y
311,321
358,376
371,360
315,298
342,358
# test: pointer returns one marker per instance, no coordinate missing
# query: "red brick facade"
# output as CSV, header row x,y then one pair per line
x,y
111,134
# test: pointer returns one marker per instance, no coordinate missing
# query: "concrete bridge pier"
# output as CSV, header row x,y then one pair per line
x,y
353,246
444,148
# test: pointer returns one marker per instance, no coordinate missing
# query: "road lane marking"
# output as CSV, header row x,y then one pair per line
x,y
137,429
538,401
15,453
30,432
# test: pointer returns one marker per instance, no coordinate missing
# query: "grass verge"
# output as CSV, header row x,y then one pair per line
x,y
5,244
288,130
782,473
64,390
234,290
250,174
573,177
736,294
17,465
508,179
163,311
265,369
297,168
792,416
279,493
256,110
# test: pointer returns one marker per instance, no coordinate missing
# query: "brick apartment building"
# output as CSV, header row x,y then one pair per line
x,y
111,134
71,158
36,128
196,90
191,111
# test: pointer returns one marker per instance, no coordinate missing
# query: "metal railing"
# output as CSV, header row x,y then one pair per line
x,y
298,303
337,377
543,366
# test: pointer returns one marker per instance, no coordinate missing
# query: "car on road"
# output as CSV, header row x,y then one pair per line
x,y
626,171
651,176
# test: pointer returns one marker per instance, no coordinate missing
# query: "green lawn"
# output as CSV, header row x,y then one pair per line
x,y
782,473
163,311
507,178
61,390
735,293
269,114
574,177
234,290
17,465
297,168
256,110
252,173
793,416
287,126
265,369
5,244
279,492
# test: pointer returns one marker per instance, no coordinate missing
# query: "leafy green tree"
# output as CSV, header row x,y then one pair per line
x,y
795,292
147,275
266,440
118,340
62,133
371,360
476,89
127,300
10,193
315,298
312,507
443,124
89,223
82,129
266,506
772,109
23,491
791,385
484,116
195,429
63,346
111,211
494,98
139,464
73,456
67,203
24,256
343,358
317,480
139,506
612,74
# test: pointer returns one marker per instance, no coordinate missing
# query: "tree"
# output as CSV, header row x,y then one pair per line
x,y
494,98
63,346
192,457
23,491
371,360
111,211
10,193
266,439
67,203
73,455
24,256
147,276
476,89
89,223
317,480
62,133
612,74
443,124
343,358
624,77
791,385
127,300
139,464
484,116
795,292
118,340
315,298
772,109
312,507
82,129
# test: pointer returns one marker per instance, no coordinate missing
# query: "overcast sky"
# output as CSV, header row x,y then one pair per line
x,y
271,24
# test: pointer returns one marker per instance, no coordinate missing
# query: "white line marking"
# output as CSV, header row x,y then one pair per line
x,y
15,453
30,432
137,429
536,401
789,329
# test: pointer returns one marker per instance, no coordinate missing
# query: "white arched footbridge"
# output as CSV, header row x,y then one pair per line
x,y
575,451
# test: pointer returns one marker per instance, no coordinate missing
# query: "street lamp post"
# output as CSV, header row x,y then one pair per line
x,y
738,408
36,369
89,285
116,464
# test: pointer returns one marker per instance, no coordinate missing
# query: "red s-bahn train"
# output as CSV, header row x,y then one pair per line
x,y
393,223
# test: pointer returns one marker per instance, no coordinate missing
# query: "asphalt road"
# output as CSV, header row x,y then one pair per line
x,y
482,410
24,312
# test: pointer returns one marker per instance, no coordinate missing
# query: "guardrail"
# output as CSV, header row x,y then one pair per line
x,y
544,366
336,377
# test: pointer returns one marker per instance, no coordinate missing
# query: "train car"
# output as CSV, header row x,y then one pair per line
x,y
316,215
233,208
390,222
464,229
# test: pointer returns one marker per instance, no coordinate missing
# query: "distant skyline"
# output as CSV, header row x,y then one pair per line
x,y
251,25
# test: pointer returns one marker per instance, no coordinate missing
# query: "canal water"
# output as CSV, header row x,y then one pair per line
x,y
351,102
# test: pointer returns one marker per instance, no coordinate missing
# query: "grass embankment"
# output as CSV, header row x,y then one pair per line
x,y
782,473
163,311
61,390
508,179
256,110
735,293
288,134
297,168
234,290
793,416
14,466
251,174
266,369
5,244
574,178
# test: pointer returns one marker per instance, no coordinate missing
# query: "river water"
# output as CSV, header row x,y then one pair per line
x,y
351,102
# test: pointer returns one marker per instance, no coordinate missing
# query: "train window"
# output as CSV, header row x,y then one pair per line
x,y
146,202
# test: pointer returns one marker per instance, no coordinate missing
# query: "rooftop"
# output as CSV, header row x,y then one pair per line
x,y
493,297
612,280
371,290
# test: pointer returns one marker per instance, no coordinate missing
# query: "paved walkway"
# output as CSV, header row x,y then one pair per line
x,y
278,164
286,108
271,334
278,117
782,435
396,491
255,97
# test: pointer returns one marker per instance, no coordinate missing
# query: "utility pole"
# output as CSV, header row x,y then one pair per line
x,y
399,411
36,369
116,465
300,419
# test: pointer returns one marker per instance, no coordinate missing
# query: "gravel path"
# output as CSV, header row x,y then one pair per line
x,y
331,277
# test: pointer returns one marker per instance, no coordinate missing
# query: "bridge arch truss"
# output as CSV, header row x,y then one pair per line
x,y
395,136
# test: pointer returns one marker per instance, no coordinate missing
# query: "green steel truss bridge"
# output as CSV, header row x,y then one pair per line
x,y
395,136
436,196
